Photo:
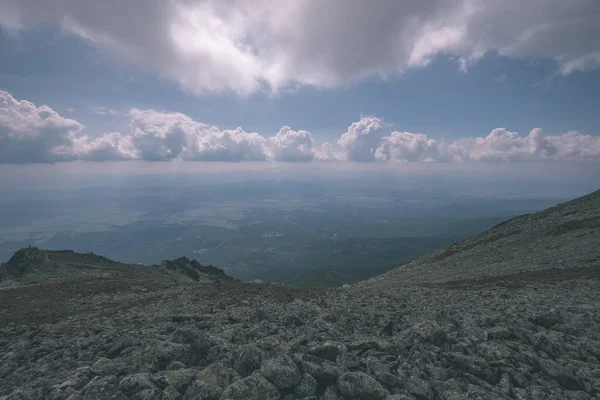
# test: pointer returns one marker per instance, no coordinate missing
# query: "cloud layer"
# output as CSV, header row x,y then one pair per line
x,y
249,45
31,134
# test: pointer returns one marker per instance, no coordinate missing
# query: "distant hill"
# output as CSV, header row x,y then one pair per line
x,y
364,259
32,265
563,237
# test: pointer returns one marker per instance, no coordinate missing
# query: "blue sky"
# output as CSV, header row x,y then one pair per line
x,y
445,77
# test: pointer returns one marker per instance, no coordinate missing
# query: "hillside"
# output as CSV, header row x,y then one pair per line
x,y
511,313
32,266
563,237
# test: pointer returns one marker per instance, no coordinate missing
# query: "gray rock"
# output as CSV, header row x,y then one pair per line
x,y
358,385
331,393
135,383
148,394
327,350
247,359
170,393
322,370
254,386
218,374
307,386
179,379
175,365
199,390
281,371
104,367
547,319
419,388
101,387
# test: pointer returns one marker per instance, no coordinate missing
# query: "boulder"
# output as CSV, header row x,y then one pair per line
x,y
306,387
281,371
358,385
247,359
322,370
327,350
199,390
254,386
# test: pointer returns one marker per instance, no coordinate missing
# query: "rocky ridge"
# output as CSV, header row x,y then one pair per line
x,y
509,314
31,265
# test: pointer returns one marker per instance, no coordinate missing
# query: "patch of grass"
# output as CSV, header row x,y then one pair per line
x,y
521,279
576,224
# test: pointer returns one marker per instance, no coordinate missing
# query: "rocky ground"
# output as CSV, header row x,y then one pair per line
x,y
526,328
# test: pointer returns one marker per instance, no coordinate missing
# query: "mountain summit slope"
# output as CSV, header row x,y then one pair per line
x,y
565,236
511,313
32,265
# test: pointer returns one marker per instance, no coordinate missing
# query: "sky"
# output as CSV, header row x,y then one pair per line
x,y
342,81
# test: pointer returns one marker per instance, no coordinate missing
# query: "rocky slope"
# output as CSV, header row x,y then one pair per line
x,y
512,313
32,265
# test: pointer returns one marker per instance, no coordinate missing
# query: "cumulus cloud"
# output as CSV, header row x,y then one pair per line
x,y
249,45
410,147
291,145
162,136
31,134
327,152
362,138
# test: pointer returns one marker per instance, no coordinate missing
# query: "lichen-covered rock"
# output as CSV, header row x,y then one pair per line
x,y
281,371
218,374
170,393
178,379
135,383
358,385
322,370
247,359
199,390
419,388
101,387
104,367
254,386
328,350
307,387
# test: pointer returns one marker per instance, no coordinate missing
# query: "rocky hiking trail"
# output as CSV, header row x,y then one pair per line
x,y
513,313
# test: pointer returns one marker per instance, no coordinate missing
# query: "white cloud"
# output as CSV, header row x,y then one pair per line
x,y
290,145
362,139
410,147
166,136
503,145
327,152
108,147
104,111
248,45
501,78
31,134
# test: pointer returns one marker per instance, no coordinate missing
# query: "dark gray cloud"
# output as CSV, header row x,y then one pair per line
x,y
249,45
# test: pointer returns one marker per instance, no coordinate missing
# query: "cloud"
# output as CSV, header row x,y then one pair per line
x,y
104,111
31,134
362,139
328,153
290,145
166,136
244,46
501,78
411,147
